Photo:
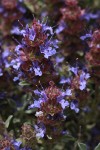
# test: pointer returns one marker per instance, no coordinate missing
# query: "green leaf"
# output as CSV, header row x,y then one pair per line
x,y
29,5
82,146
12,103
30,111
8,121
23,83
68,138
97,147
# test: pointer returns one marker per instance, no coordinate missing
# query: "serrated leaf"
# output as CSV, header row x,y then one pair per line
x,y
97,147
82,146
8,121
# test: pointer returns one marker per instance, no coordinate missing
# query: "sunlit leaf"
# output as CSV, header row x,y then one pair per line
x,y
97,147
82,146
8,121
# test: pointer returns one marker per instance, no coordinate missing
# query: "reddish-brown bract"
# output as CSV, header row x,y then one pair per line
x,y
5,143
93,56
51,108
9,4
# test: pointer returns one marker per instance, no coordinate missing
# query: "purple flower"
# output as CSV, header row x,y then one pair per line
x,y
89,16
16,63
15,78
5,56
83,77
54,43
59,59
39,132
37,92
87,76
37,69
20,0
22,9
6,53
41,94
82,85
30,41
36,104
86,36
16,31
64,132
68,92
98,46
74,70
61,27
1,9
86,109
29,32
74,106
49,48
65,80
18,77
18,48
47,28
1,73
17,145
64,103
